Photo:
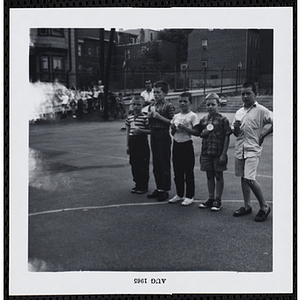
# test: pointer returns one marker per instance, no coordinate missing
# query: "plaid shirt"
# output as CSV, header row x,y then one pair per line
x,y
213,144
165,109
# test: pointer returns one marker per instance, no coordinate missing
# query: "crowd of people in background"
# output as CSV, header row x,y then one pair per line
x,y
86,100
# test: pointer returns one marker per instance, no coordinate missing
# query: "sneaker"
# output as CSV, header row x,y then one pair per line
x,y
176,199
187,201
207,203
141,191
155,194
216,206
134,190
163,196
262,215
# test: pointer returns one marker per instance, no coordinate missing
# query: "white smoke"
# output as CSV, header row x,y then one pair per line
x,y
38,265
41,178
43,103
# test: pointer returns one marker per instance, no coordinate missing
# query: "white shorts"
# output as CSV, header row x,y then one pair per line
x,y
246,167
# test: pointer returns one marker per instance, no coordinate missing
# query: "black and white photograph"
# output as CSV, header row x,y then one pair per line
x,y
151,151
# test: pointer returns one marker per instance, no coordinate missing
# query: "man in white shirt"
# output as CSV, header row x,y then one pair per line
x,y
148,94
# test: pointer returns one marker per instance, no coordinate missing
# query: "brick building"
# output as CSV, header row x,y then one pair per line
x,y
51,55
228,56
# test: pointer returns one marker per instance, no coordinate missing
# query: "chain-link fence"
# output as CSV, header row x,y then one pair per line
x,y
130,81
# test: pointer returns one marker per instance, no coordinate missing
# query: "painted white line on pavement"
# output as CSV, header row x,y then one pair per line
x,y
86,208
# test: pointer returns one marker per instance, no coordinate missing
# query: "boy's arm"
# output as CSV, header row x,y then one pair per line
x,y
142,131
222,159
264,134
171,112
127,138
192,131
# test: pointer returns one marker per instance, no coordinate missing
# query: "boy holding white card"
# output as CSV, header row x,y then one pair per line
x,y
214,129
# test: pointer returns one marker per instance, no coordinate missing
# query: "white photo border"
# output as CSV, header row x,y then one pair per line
x,y
280,19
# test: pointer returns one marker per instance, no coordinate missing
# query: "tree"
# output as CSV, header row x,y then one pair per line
x,y
178,37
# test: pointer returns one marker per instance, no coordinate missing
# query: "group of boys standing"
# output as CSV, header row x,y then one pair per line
x,y
214,129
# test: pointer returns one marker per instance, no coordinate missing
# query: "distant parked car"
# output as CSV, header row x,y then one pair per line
x,y
223,102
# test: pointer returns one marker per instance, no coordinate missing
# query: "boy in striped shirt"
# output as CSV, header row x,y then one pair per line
x,y
138,146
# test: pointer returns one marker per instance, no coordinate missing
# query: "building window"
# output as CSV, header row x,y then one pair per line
x,y
250,41
79,50
42,31
44,68
57,64
89,51
256,43
127,54
98,51
204,63
57,31
204,45
151,36
58,68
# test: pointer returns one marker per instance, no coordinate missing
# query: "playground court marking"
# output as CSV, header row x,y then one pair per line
x,y
86,208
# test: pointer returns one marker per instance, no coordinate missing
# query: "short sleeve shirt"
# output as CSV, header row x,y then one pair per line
x,y
148,96
212,145
165,109
253,121
188,120
139,121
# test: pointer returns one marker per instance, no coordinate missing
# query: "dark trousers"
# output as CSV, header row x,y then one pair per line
x,y
183,165
161,156
139,160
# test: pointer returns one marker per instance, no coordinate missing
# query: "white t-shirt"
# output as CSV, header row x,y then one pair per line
x,y
148,96
188,120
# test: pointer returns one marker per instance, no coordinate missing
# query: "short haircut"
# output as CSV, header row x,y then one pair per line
x,y
138,97
148,79
251,84
213,96
187,95
163,85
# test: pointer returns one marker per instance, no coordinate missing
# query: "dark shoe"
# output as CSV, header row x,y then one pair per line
x,y
216,206
155,194
142,191
262,215
163,196
242,211
207,203
133,190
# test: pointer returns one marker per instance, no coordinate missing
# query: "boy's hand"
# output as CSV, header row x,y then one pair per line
x,y
137,131
204,133
155,115
150,114
237,124
261,139
222,159
181,126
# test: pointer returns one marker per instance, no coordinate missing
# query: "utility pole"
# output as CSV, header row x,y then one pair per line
x,y
107,72
101,56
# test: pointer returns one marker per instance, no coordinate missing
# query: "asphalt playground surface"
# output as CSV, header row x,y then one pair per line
x,y
83,217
